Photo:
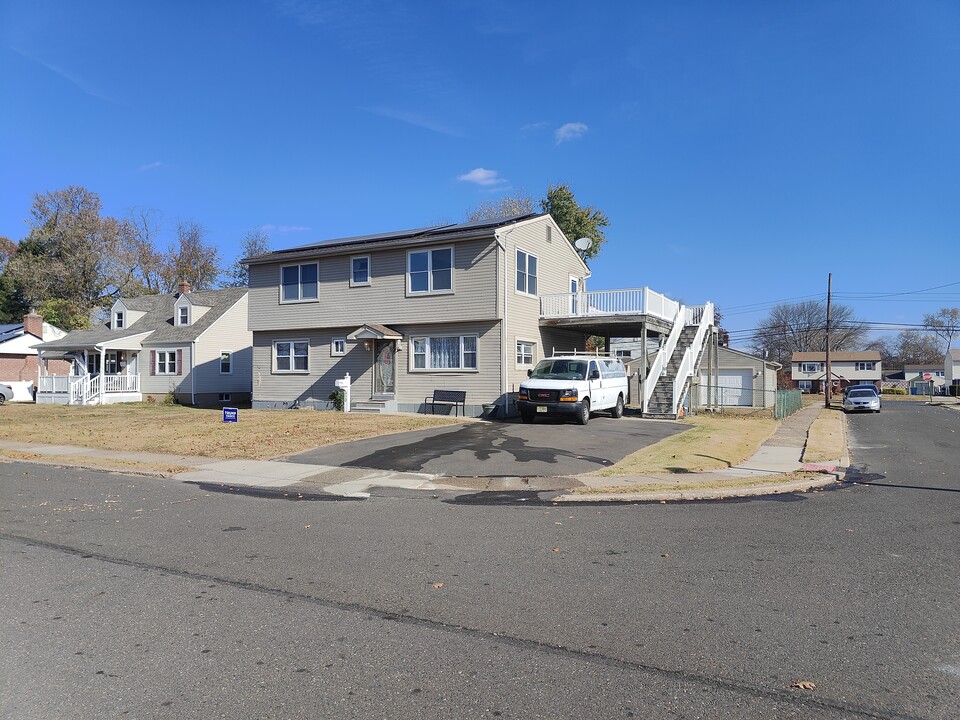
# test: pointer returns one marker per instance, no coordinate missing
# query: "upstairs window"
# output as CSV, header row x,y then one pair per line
x,y
299,282
865,365
430,271
118,320
810,367
360,271
526,273
183,315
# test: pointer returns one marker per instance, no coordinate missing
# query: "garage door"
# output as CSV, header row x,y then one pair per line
x,y
735,386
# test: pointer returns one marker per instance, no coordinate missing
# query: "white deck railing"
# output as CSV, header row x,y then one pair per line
x,y
81,390
701,316
637,301
660,362
53,384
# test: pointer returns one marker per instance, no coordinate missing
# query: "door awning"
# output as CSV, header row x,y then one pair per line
x,y
373,331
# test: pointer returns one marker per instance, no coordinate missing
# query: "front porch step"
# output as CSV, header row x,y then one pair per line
x,y
376,404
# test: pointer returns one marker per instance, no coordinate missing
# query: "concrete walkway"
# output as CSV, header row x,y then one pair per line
x,y
779,454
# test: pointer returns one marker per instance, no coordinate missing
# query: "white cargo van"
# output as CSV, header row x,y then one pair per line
x,y
574,385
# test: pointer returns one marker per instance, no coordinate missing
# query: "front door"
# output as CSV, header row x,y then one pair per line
x,y
384,367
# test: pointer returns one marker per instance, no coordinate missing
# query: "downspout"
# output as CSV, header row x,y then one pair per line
x,y
503,327
193,376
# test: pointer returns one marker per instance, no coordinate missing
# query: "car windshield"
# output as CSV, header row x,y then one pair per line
x,y
560,370
861,394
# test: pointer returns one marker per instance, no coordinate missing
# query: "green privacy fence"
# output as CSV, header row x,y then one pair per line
x,y
788,402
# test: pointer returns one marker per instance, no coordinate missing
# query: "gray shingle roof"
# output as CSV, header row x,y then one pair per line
x,y
158,320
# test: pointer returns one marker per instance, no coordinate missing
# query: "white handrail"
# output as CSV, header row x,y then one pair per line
x,y
663,357
704,316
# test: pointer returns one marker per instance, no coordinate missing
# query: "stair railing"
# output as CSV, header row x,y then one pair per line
x,y
690,356
663,357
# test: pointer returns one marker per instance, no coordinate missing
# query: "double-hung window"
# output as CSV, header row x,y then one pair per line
x,y
430,271
810,367
291,356
360,271
166,362
865,366
299,282
805,385
445,352
118,320
526,273
525,352
183,315
226,362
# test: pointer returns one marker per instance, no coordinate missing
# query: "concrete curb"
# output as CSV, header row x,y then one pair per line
x,y
92,468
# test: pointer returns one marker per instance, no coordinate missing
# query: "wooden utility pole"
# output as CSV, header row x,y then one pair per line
x,y
828,387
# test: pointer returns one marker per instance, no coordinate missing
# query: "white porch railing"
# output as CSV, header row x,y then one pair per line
x,y
701,316
663,357
86,388
637,301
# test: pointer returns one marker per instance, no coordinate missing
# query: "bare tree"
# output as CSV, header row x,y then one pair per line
x,y
507,206
192,259
148,261
802,327
945,324
907,347
255,242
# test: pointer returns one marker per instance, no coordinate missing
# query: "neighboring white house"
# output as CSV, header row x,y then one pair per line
x,y
18,356
924,376
951,368
194,346
808,369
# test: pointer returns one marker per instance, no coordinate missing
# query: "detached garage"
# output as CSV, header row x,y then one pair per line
x,y
744,381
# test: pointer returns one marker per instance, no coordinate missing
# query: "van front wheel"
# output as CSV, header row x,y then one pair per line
x,y
617,411
583,417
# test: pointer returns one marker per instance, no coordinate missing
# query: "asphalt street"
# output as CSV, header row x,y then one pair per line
x,y
547,448
140,597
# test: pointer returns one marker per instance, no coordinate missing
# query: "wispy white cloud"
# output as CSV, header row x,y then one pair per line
x,y
416,120
570,131
78,83
149,166
531,127
284,228
483,177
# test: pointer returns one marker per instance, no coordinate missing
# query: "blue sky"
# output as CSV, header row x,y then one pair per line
x,y
742,150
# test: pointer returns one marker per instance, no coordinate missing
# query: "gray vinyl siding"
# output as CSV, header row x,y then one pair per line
x,y
385,300
228,333
316,385
412,386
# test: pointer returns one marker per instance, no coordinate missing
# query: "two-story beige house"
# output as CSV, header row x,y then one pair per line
x,y
808,370
453,307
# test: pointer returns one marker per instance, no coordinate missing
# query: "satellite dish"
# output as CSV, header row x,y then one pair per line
x,y
583,244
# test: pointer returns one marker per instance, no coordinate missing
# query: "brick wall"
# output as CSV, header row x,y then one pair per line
x,y
15,368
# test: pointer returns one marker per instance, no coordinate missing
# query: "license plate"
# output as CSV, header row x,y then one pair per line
x,y
541,408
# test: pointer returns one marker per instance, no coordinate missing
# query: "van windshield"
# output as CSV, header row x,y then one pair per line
x,y
560,370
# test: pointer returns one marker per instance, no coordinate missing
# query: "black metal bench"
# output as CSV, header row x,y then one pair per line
x,y
457,398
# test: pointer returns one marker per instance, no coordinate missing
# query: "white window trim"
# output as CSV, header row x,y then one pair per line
x,y
333,347
411,361
369,267
805,384
220,360
430,290
179,309
292,370
300,300
119,315
803,367
533,353
866,365
529,255
168,353
224,397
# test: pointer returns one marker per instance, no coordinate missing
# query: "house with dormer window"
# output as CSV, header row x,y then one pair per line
x,y
193,345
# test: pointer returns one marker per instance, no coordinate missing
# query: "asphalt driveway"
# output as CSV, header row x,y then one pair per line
x,y
546,448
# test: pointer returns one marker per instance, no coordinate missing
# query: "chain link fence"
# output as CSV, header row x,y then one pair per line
x,y
781,403
788,402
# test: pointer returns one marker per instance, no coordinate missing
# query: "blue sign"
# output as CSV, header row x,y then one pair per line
x,y
230,414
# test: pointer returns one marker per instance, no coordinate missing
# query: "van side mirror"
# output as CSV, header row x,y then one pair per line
x,y
595,375
529,372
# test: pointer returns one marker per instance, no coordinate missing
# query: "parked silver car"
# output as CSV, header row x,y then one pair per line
x,y
6,393
865,399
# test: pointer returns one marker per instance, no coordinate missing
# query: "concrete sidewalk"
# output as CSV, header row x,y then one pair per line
x,y
781,453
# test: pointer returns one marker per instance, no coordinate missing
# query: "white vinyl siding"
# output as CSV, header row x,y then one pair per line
x,y
298,283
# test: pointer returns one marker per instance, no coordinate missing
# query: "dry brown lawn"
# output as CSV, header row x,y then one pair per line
x,y
179,430
712,442
825,439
